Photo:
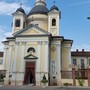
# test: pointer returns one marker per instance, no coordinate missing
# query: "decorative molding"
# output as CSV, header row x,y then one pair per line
x,y
18,72
65,46
40,42
46,42
55,43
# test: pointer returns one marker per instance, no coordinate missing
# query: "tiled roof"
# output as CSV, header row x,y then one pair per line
x,y
80,53
1,54
54,8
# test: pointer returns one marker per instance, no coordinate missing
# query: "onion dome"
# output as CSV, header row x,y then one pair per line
x,y
39,9
20,10
54,8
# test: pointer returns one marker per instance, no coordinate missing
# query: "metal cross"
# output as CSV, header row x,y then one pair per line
x,y
21,4
54,2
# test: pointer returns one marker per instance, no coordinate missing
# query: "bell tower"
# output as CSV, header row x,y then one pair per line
x,y
18,20
54,20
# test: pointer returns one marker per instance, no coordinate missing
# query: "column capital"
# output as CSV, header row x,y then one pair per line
x,y
46,42
17,43
5,47
23,43
39,42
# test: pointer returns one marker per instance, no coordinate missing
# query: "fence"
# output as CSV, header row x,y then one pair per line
x,y
80,74
74,75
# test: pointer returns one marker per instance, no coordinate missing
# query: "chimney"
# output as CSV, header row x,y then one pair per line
x,y
82,50
76,50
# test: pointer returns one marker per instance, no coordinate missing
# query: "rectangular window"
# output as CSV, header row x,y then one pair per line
x,y
17,23
82,61
89,61
1,61
82,64
74,61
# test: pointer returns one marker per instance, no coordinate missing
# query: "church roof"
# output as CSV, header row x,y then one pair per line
x,y
39,9
54,8
80,53
20,10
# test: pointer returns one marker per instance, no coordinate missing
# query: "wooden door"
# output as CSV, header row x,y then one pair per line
x,y
29,77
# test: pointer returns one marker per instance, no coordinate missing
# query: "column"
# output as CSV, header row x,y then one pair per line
x,y
14,69
4,58
22,69
38,65
69,58
73,76
59,64
88,76
8,65
47,59
22,65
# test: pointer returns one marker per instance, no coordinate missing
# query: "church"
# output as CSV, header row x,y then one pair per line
x,y
36,47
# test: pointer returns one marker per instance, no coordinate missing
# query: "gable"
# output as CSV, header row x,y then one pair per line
x,y
30,56
31,30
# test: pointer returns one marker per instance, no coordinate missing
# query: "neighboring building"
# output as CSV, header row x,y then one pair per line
x,y
1,60
36,47
81,59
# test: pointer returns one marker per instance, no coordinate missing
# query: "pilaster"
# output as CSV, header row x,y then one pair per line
x,y
14,70
22,68
38,65
4,57
47,59
8,72
59,64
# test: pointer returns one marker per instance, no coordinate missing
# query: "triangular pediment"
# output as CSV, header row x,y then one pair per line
x,y
31,30
30,56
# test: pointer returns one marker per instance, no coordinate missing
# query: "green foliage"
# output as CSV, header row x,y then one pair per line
x,y
2,78
44,80
67,84
81,82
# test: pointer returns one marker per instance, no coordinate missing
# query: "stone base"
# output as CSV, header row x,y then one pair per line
x,y
59,83
12,82
38,83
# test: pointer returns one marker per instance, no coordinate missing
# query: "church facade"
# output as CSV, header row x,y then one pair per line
x,y
36,47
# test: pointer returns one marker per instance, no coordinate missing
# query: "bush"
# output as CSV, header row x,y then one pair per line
x,y
67,84
2,78
81,82
44,80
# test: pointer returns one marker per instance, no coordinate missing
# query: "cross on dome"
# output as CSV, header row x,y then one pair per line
x,y
54,2
40,0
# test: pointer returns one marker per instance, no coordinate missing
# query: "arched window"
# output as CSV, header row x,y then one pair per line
x,y
54,22
17,23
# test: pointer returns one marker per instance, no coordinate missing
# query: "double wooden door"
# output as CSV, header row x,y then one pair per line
x,y
29,77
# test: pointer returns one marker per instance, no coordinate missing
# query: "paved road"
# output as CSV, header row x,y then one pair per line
x,y
41,88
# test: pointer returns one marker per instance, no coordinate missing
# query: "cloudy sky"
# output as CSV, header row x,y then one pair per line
x,y
73,24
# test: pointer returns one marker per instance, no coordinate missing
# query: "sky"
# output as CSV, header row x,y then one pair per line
x,y
74,24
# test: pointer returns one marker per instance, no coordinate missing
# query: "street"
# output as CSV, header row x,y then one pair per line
x,y
41,88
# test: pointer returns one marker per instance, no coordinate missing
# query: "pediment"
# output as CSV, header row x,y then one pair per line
x,y
30,56
31,30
